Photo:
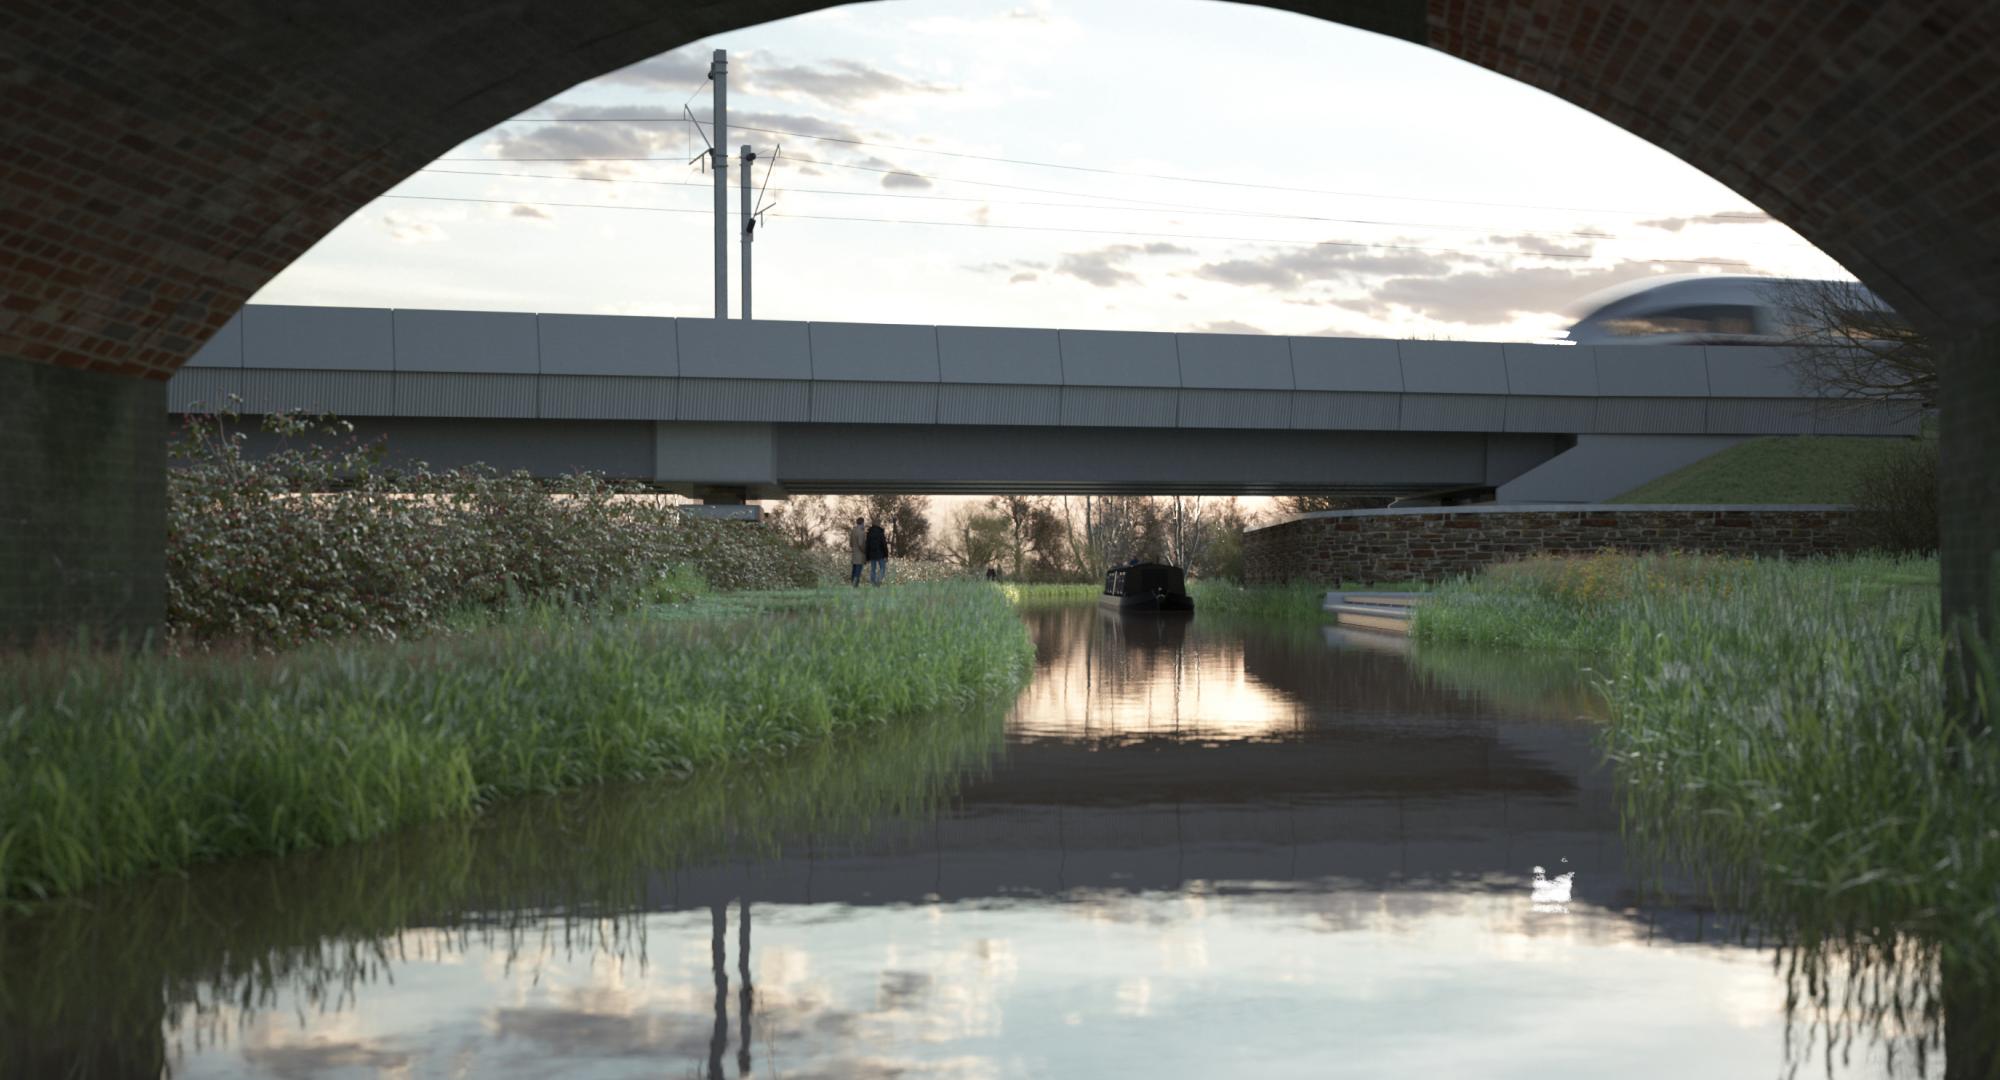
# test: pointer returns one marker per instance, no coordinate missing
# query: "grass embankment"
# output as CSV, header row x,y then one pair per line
x,y
1032,597
1782,727
1777,469
1297,600
111,766
507,879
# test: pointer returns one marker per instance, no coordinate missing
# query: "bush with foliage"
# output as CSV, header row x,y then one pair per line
x,y
1897,494
320,539
832,568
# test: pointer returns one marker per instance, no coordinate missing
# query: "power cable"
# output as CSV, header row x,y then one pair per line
x,y
1067,229
1085,168
1165,208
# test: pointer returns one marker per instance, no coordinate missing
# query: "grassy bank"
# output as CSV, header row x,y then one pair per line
x,y
1585,604
1775,469
1297,600
111,766
204,948
1032,597
1780,726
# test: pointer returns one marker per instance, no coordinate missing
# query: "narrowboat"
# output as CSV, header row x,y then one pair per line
x,y
1146,587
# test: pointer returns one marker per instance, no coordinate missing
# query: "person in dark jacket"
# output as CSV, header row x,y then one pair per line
x,y
877,549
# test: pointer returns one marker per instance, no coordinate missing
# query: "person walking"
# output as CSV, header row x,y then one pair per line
x,y
876,547
857,552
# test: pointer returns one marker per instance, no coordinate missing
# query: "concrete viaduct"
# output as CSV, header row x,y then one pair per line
x,y
729,409
166,158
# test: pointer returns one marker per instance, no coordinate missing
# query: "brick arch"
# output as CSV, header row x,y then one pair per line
x,y
166,158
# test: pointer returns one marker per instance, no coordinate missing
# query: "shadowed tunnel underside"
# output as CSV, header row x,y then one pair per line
x,y
166,159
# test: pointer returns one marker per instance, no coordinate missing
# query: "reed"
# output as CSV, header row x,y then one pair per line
x,y
112,765
1037,596
199,953
1782,728
1292,601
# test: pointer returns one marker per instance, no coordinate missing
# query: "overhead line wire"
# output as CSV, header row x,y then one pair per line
x,y
1083,168
1162,209
1067,229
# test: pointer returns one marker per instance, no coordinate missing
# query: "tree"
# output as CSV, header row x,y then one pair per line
x,y
975,540
906,518
1206,535
1027,517
805,521
1313,504
1846,344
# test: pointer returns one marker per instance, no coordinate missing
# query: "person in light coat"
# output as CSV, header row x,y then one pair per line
x,y
857,552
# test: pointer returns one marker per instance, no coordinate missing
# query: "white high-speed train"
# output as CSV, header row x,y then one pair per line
x,y
1698,309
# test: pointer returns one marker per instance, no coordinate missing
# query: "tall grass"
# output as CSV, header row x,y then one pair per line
x,y
114,765
1294,600
1033,596
1781,727
210,949
1583,603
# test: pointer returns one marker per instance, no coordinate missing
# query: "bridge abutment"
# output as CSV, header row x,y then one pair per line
x,y
83,507
1969,481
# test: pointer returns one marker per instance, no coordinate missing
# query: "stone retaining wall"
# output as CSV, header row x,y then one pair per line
x,y
1428,543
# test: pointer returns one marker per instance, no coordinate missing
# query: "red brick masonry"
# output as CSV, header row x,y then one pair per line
x,y
1428,543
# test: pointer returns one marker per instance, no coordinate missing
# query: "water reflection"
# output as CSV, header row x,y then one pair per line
x,y
1198,849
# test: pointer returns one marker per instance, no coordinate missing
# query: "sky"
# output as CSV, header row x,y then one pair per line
x,y
1173,165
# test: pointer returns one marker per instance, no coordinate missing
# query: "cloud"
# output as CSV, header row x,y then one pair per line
x,y
1227,326
1721,217
405,229
1018,271
1105,267
632,131
523,210
677,70
1295,268
904,181
1538,244
1498,295
840,83
836,82
586,141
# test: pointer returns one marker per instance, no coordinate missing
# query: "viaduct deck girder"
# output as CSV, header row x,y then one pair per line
x,y
794,406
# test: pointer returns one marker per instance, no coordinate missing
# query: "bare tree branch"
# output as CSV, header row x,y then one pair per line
x,y
1848,345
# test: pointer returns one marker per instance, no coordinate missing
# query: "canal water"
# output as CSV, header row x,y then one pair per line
x,y
1190,849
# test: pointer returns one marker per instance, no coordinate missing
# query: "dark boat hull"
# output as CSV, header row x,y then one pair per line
x,y
1147,605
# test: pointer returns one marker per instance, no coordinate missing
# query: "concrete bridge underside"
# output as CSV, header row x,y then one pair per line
x,y
775,460
740,409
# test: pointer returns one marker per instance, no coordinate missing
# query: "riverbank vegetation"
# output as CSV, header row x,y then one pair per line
x,y
1782,728
199,951
115,765
1892,482
323,539
1036,539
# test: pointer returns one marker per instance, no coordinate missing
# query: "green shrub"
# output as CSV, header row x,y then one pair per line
x,y
321,540
112,765
1897,494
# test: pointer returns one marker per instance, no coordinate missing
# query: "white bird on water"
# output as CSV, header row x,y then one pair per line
x,y
1551,890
